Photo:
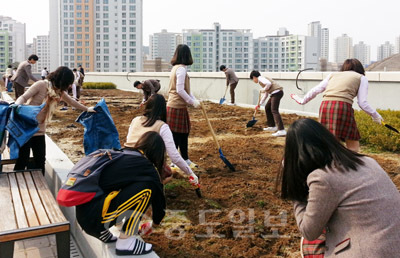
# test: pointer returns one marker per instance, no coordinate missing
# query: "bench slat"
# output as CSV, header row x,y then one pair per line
x,y
18,207
49,203
7,221
20,234
26,200
40,211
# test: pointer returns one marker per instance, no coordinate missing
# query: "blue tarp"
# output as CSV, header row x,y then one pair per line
x,y
4,113
100,131
21,126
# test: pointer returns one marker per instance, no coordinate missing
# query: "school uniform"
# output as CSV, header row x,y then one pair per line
x,y
270,87
359,209
21,78
336,112
137,129
131,185
179,98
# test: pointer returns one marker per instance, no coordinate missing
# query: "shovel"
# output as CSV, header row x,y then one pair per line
x,y
221,155
222,100
254,121
390,127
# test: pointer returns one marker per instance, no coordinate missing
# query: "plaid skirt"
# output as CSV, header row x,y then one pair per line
x,y
313,249
178,120
338,118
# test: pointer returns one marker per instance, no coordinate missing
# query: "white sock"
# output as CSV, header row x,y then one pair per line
x,y
129,243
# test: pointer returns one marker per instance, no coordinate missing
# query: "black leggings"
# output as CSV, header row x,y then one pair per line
x,y
181,142
38,146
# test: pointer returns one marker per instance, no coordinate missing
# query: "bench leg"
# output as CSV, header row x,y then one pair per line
x,y
7,249
63,244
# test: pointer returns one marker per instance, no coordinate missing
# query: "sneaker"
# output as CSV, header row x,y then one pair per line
x,y
132,246
271,129
231,104
64,108
191,164
279,133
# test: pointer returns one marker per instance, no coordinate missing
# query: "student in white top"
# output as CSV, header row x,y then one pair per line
x,y
154,119
44,73
270,87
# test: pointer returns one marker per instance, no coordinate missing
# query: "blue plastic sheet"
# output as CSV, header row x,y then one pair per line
x,y
4,113
100,131
21,126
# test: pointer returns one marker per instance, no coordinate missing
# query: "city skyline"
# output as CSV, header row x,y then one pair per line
x,y
294,16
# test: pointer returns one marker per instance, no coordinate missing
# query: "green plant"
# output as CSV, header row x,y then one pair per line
x,y
99,85
378,137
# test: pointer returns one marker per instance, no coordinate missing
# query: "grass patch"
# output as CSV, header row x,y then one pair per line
x,y
378,138
177,183
99,85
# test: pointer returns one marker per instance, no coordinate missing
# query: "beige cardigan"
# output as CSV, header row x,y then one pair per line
x,y
361,210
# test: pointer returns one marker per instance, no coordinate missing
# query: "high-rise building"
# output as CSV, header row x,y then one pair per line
x,y
315,30
214,47
325,43
12,41
29,50
103,36
41,47
285,53
397,45
385,50
363,53
163,44
343,48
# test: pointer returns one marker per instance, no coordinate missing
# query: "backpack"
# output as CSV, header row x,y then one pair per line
x,y
82,184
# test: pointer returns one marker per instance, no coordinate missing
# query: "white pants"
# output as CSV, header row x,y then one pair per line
x,y
74,91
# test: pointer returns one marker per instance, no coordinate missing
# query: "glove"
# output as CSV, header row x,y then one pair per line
x,y
193,179
91,110
297,98
196,103
257,107
378,119
146,229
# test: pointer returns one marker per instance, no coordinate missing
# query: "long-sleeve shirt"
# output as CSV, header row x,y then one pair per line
x,y
230,76
361,95
173,153
36,95
150,87
180,86
264,90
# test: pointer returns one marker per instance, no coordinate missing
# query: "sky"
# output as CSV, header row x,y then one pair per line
x,y
371,21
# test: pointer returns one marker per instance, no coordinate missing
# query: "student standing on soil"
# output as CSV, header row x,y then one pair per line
x,y
336,112
345,193
154,119
130,185
231,80
7,78
149,87
269,86
50,90
24,73
44,73
179,97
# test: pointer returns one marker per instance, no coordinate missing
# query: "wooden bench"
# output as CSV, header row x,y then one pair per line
x,y
29,210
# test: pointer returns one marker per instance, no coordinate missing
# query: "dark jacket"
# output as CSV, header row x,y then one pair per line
x,y
150,87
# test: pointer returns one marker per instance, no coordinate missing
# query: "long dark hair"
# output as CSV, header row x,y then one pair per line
x,y
155,110
182,55
153,147
353,64
310,146
61,78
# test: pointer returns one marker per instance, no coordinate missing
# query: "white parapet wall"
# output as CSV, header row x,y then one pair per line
x,y
383,87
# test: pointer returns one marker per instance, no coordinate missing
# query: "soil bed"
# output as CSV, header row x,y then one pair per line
x,y
242,215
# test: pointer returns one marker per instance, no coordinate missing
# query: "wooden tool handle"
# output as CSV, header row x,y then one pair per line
x,y
258,103
226,90
209,124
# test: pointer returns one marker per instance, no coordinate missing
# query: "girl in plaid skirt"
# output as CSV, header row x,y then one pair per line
x,y
179,97
336,112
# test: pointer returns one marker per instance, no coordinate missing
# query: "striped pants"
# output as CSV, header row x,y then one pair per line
x,y
125,207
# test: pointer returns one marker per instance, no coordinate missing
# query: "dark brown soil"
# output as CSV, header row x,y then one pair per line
x,y
235,201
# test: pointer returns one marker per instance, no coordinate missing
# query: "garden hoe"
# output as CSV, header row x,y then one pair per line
x,y
390,127
254,121
221,155
222,100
